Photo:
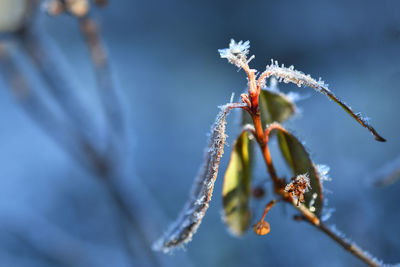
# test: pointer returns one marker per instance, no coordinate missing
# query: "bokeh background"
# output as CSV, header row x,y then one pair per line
x,y
166,66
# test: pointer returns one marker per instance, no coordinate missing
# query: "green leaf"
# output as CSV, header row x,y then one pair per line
x,y
300,163
237,186
274,107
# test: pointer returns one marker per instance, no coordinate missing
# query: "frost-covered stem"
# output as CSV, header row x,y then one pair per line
x,y
341,240
345,243
254,111
262,140
311,217
349,246
251,78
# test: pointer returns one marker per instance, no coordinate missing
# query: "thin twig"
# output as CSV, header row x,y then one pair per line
x,y
57,128
107,92
47,60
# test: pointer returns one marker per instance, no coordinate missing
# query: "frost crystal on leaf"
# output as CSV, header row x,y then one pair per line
x,y
236,53
327,214
323,171
312,202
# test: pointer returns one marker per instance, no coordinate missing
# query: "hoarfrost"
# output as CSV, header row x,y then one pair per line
x,y
182,230
299,78
327,214
236,53
323,171
353,246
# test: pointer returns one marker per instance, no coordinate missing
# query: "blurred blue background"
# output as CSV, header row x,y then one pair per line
x,y
165,63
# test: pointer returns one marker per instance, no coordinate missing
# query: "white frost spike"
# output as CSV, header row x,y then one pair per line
x,y
327,214
194,210
323,171
232,97
236,53
299,78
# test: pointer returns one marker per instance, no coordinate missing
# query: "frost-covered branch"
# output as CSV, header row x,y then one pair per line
x,y
338,236
292,192
349,245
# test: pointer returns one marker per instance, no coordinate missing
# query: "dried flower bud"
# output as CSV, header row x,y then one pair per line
x,y
262,228
78,8
298,186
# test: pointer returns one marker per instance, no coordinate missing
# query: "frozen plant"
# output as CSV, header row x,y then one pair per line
x,y
264,109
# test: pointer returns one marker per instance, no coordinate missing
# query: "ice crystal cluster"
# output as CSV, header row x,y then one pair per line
x,y
298,186
236,53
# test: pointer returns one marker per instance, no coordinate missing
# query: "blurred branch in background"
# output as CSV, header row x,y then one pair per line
x,y
65,117
388,174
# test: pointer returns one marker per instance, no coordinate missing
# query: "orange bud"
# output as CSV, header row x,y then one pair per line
x,y
262,228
